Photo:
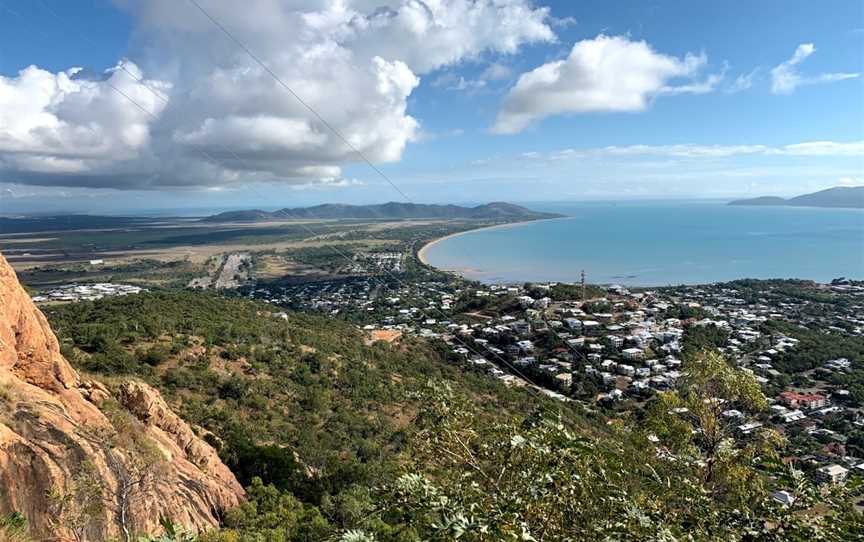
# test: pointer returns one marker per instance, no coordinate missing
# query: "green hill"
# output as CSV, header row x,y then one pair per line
x,y
851,197
387,211
339,439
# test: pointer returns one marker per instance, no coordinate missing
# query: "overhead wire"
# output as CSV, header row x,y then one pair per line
x,y
201,150
326,124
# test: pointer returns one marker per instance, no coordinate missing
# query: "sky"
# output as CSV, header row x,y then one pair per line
x,y
117,106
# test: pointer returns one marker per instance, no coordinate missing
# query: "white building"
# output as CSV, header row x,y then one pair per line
x,y
832,473
633,353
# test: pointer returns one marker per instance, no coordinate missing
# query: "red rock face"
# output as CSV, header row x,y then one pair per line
x,y
144,460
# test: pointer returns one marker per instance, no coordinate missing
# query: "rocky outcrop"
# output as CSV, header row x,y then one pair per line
x,y
83,463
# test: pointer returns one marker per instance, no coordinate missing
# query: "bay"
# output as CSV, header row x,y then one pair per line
x,y
660,243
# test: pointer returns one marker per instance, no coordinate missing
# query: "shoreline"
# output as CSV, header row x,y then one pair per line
x,y
421,253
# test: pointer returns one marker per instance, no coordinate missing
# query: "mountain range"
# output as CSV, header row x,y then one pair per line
x,y
391,210
851,197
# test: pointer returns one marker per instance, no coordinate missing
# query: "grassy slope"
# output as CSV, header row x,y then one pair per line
x,y
264,385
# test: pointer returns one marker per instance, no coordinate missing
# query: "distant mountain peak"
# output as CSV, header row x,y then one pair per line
x,y
393,210
848,197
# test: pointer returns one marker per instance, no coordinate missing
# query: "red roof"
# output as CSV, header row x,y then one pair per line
x,y
801,397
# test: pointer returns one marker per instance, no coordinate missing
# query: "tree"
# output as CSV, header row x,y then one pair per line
x,y
134,459
542,478
138,467
689,421
79,506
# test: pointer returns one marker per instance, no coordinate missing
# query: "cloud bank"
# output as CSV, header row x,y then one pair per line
x,y
205,114
694,151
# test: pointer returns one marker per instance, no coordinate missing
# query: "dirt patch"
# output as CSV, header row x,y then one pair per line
x,y
386,335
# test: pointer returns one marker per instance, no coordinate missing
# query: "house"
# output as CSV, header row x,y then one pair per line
x,y
802,400
576,343
638,386
525,300
591,327
608,365
542,303
525,346
565,379
574,324
792,416
478,362
784,498
841,364
615,341
833,474
605,317
633,353
613,395
626,370
748,428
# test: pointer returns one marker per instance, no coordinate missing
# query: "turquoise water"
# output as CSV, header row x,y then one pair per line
x,y
661,243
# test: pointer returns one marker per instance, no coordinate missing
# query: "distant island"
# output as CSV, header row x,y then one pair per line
x,y
851,197
387,211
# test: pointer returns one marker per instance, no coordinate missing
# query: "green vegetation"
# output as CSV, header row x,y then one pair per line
x,y
685,312
13,528
337,439
538,477
171,234
597,306
303,404
815,347
310,243
699,338
814,299
564,292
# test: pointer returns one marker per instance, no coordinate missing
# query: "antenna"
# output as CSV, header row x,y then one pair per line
x,y
583,286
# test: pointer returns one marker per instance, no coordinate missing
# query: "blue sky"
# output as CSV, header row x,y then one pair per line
x,y
454,100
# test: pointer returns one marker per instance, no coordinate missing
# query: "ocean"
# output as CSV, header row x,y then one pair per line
x,y
662,243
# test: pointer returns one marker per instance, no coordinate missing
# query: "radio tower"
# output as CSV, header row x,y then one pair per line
x,y
583,285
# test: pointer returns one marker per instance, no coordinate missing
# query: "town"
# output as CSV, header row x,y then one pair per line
x,y
86,292
612,347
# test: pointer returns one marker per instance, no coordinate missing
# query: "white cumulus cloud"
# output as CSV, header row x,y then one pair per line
x,y
607,73
223,120
61,127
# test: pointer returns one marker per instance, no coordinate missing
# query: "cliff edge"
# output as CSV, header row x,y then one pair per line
x,y
83,462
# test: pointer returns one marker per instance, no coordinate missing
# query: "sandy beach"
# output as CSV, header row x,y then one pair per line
x,y
421,254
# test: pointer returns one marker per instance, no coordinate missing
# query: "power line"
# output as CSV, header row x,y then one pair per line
x,y
532,387
311,109
329,126
92,43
